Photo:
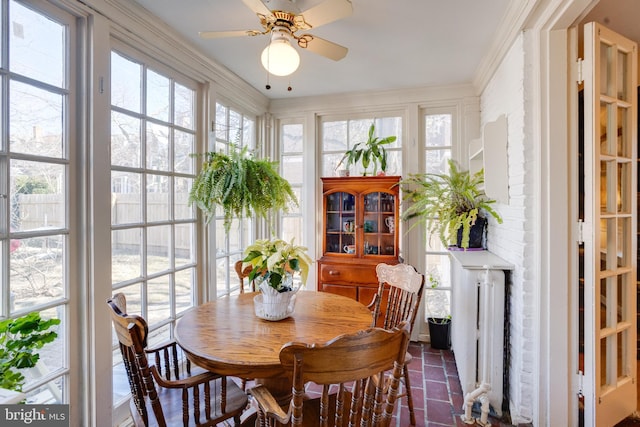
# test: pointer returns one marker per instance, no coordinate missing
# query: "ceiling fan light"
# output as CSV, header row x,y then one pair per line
x,y
280,58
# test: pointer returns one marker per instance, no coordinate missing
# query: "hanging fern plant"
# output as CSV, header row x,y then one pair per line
x,y
241,185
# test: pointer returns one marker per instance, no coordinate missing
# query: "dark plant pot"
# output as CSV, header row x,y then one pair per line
x,y
476,234
440,333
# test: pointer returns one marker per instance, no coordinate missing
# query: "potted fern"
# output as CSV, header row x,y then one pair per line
x,y
452,206
241,185
369,152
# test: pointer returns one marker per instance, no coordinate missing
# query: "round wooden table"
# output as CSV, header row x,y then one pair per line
x,y
225,335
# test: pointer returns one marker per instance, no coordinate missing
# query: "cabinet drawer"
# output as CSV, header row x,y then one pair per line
x,y
348,274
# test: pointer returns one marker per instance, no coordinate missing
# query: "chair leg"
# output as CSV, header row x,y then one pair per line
x,y
407,384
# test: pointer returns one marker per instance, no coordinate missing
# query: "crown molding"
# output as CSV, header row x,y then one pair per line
x,y
131,22
512,24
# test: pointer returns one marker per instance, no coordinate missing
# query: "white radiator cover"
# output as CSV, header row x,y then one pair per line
x,y
472,304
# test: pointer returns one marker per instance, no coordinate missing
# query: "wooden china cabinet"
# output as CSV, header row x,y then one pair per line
x,y
359,230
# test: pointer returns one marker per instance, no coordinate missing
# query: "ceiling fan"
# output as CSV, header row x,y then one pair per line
x,y
283,20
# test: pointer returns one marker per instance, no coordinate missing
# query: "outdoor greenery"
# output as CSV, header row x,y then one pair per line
x,y
274,259
446,203
370,151
19,340
241,185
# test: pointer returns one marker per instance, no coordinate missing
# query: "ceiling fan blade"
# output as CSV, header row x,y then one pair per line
x,y
258,7
325,47
223,34
327,11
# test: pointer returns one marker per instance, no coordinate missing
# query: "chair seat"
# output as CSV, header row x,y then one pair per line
x,y
171,399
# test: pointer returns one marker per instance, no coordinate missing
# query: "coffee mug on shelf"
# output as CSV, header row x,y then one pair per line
x,y
350,249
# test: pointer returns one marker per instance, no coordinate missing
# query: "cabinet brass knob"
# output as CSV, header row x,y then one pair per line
x,y
334,273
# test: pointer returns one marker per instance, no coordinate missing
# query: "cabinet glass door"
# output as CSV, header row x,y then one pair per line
x,y
379,224
340,223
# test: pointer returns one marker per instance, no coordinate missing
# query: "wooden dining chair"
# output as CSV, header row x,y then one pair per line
x,y
167,393
346,369
397,300
243,273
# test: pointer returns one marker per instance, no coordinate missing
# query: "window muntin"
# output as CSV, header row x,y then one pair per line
x,y
153,227
232,128
438,136
36,257
291,168
338,136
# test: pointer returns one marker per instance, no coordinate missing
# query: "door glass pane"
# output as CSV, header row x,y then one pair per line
x,y
606,75
623,141
623,243
605,292
624,93
624,191
608,196
608,129
38,46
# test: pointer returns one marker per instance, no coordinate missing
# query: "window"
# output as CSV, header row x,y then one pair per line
x,y
37,197
231,128
438,134
339,136
291,168
153,133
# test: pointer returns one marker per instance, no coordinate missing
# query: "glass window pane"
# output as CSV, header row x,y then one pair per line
x,y
185,289
184,146
157,198
125,140
438,129
158,89
126,83
249,134
184,246
37,196
291,168
158,249
182,209
292,139
36,272
184,107
157,147
126,256
35,121
37,45
126,198
158,300
221,122
334,136
235,121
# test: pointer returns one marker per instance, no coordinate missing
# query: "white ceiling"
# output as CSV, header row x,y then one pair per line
x,y
392,44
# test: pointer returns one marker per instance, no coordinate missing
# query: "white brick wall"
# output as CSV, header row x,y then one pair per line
x,y
514,239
